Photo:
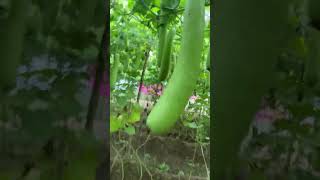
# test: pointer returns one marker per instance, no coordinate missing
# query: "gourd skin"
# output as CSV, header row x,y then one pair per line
x,y
172,64
12,32
162,31
183,80
248,37
312,73
162,39
208,61
166,57
314,10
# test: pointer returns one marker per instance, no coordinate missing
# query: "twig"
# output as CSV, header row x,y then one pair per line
x,y
122,170
141,164
118,152
147,8
193,159
142,22
121,161
146,57
136,152
143,143
205,163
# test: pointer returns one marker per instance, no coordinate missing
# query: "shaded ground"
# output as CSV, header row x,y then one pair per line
x,y
153,157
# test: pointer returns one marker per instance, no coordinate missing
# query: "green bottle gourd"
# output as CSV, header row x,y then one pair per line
x,y
248,38
12,38
208,60
172,64
186,72
208,64
162,30
312,73
162,38
314,12
166,57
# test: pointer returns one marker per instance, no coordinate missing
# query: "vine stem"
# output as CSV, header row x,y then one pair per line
x,y
146,57
204,160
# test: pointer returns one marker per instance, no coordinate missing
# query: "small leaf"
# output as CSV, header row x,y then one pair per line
x,y
192,125
115,124
135,114
130,130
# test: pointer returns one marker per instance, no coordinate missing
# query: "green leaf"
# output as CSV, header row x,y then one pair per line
x,y
292,126
131,4
134,116
142,7
130,130
157,3
192,125
170,4
301,110
115,124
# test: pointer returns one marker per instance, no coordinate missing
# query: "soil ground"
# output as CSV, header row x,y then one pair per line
x,y
159,158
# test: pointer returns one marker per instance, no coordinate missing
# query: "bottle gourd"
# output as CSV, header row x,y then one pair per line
x,y
183,80
248,38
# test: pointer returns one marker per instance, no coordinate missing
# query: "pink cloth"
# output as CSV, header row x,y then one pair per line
x,y
271,115
155,89
144,89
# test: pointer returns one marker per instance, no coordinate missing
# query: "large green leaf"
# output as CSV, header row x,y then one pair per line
x,y
134,115
130,130
115,124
